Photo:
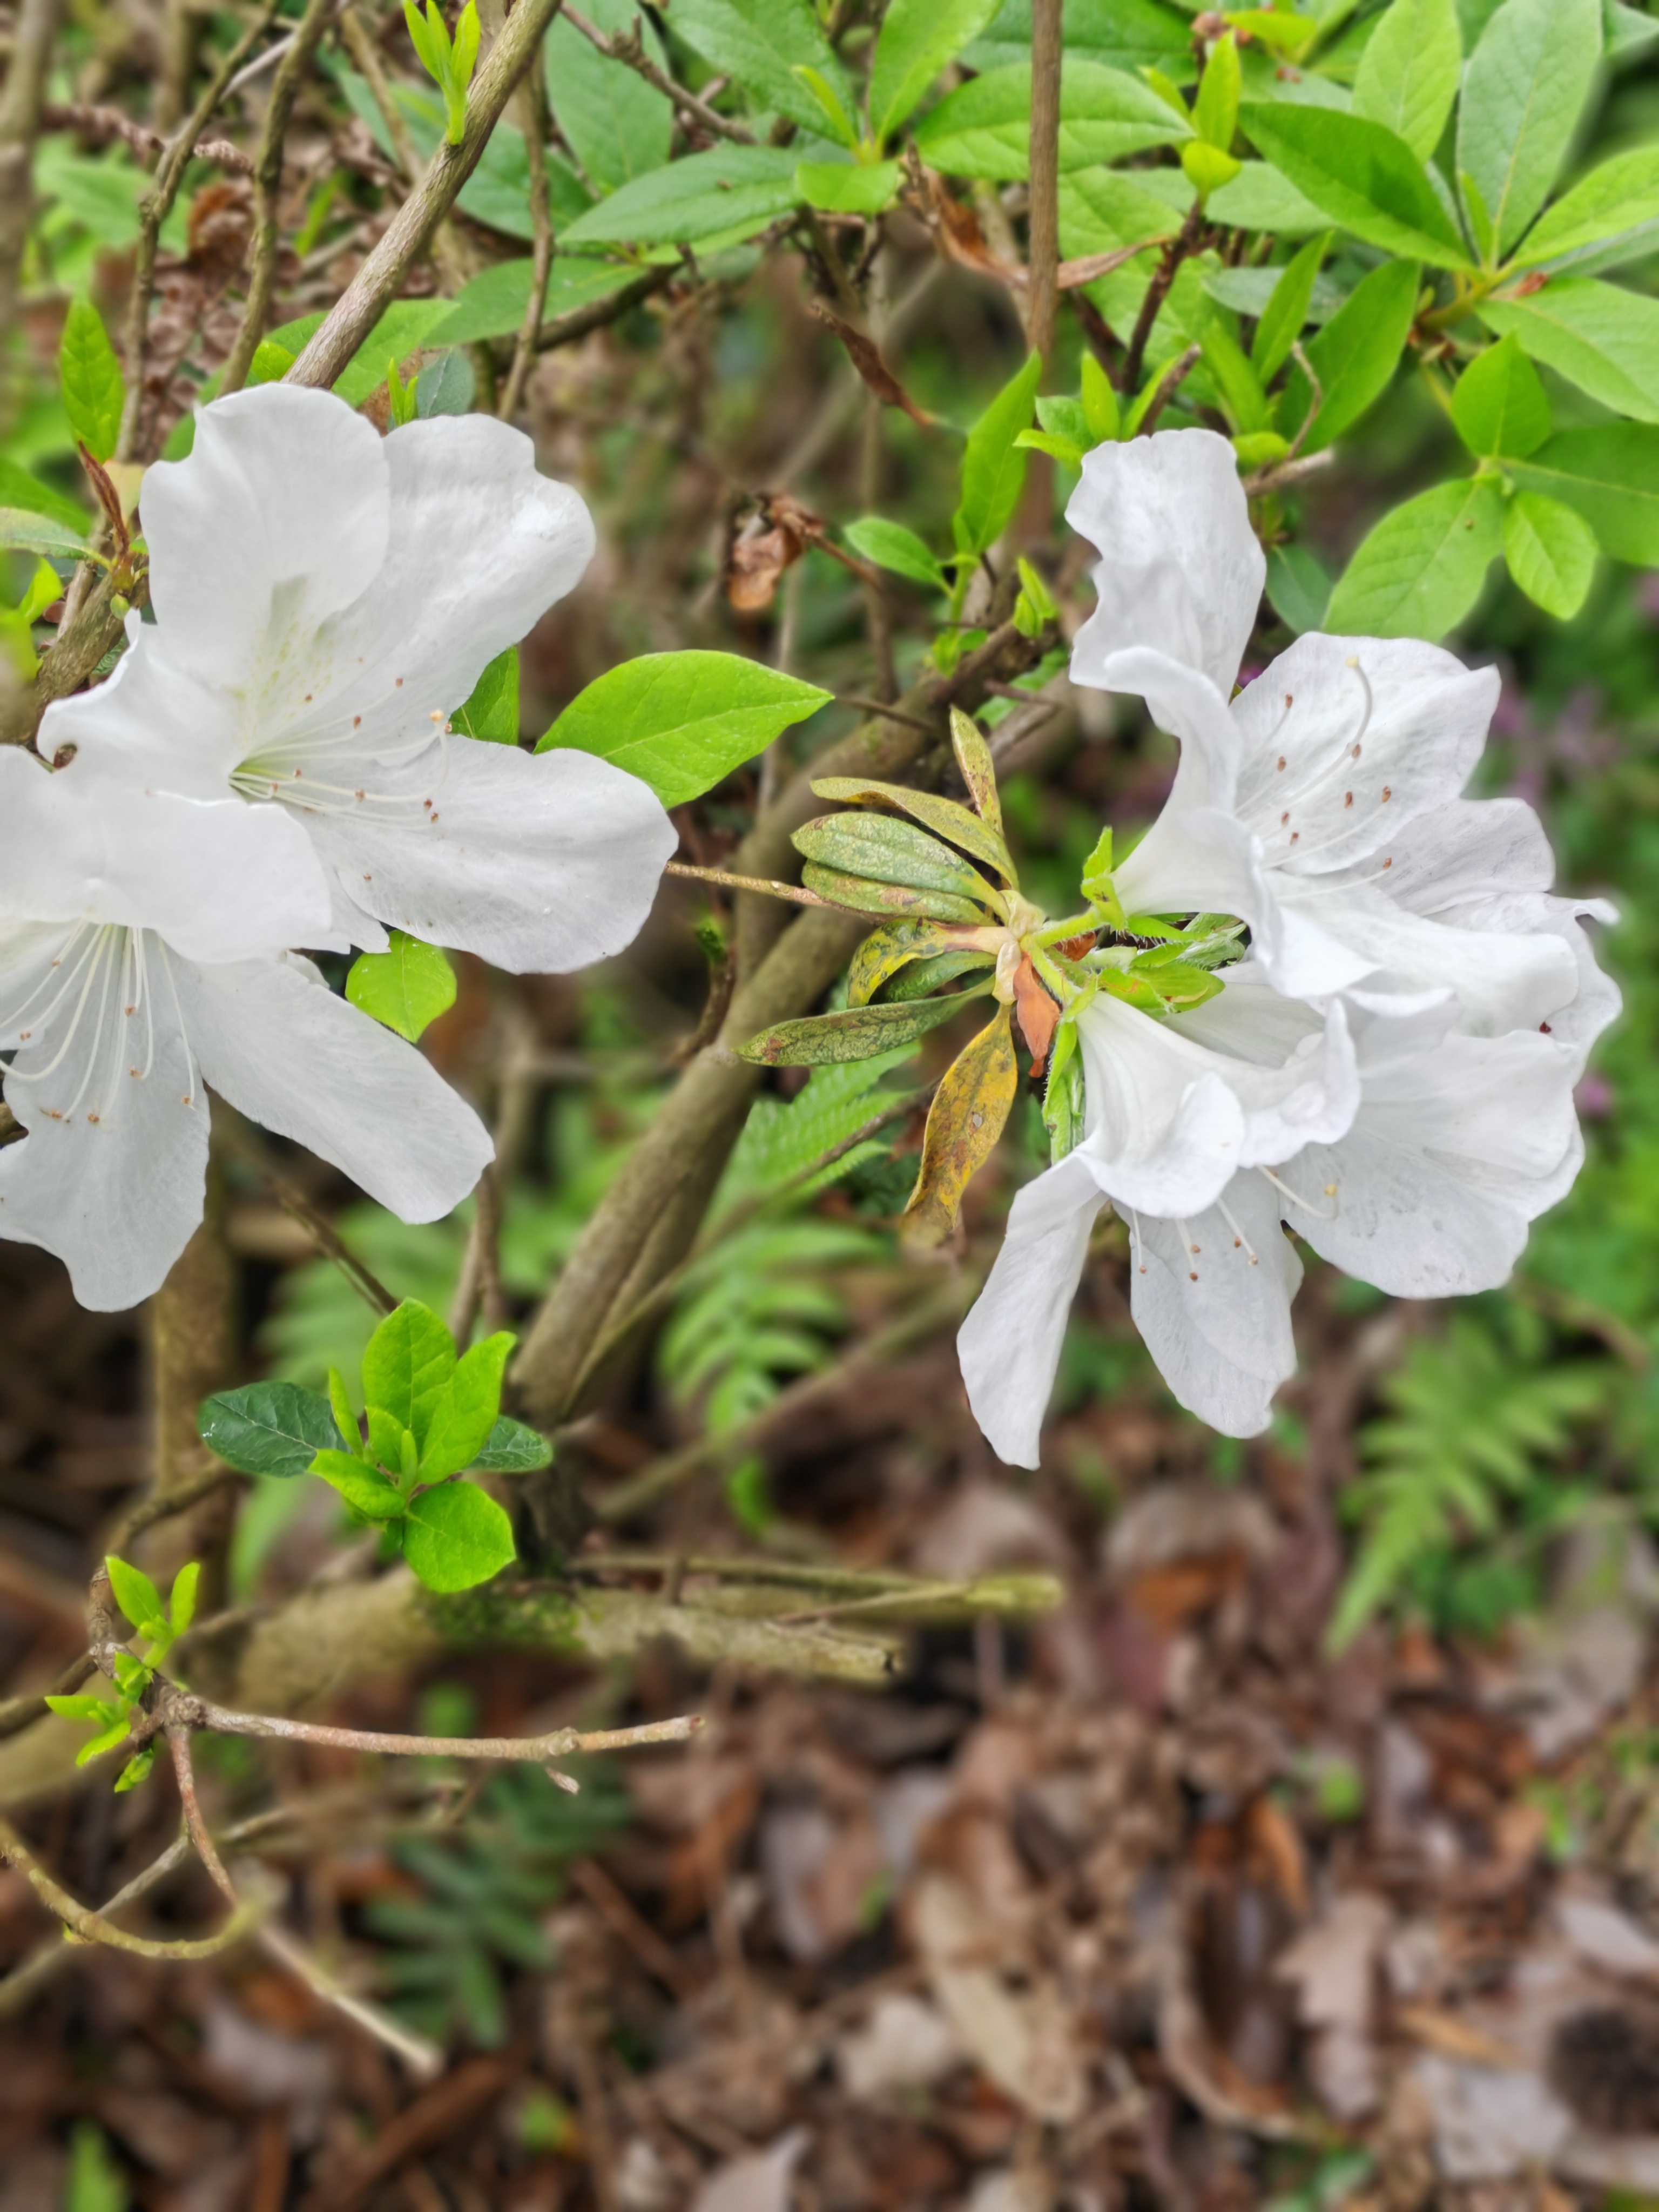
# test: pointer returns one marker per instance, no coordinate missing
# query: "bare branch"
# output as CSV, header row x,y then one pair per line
x,y
630,49
94,1928
1168,385
21,119
1042,250
795,892
538,1750
102,124
541,264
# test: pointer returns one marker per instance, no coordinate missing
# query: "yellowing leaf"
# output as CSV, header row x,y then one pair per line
x,y
966,1118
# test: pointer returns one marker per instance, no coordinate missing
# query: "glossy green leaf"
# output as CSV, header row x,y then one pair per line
x,y
513,1447
1600,336
725,189
447,385
849,187
463,1417
363,1488
137,1768
492,710
1498,404
345,1420
1298,588
764,44
1550,552
1356,354
94,390
1422,567
116,1733
1286,313
983,129
408,1364
137,1595
1610,476
1099,403
993,466
268,1428
1526,82
457,1536
23,531
1617,205
859,1033
182,1598
917,39
943,816
385,1438
1407,75
1128,33
1242,398
24,494
616,124
886,851
681,721
1215,111
492,305
83,1707
891,545
1261,198
1362,175
406,988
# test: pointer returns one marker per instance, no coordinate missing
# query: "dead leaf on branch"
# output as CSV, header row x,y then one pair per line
x,y
1039,1014
969,1108
865,356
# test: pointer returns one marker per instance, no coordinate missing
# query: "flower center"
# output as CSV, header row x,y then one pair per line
x,y
89,1027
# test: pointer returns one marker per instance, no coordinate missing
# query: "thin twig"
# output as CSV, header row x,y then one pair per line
x,y
317,1225
424,2060
102,124
184,1770
1175,253
630,49
1167,386
1287,472
21,119
18,1713
372,290
886,713
267,187
162,1505
153,211
94,1928
557,1743
795,892
541,264
481,1270
1042,249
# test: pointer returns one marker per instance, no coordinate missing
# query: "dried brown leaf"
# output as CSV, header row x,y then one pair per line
x,y
966,1118
865,356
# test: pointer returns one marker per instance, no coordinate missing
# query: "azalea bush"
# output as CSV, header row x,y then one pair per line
x,y
1055,764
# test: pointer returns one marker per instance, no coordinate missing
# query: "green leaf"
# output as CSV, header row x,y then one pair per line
x,y
1215,112
891,545
492,305
725,189
1235,379
1261,197
385,1438
1608,474
1129,34
1617,204
447,385
457,1536
268,1428
1207,169
859,895
943,816
983,129
25,532
1286,312
94,390
19,492
345,1421
992,466
859,1033
1550,552
269,365
463,1418
137,1595
1422,567
1100,407
406,988
137,1768
1600,336
405,328
918,38
848,187
365,1489
1356,354
1498,405
763,44
116,1733
886,950
1627,29
1361,175
511,1448
1298,587
884,851
616,124
407,1365
681,721
181,1600
1523,90
1407,75
492,710
81,1707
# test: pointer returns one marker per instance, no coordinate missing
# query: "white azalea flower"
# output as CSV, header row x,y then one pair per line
x,y
1294,806
325,598
132,925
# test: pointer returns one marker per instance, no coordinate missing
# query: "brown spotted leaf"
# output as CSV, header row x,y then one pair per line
x,y
1039,1017
973,753
856,1033
942,816
965,1120
890,852
886,950
860,896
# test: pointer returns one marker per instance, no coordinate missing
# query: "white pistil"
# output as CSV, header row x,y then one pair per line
x,y
1296,1199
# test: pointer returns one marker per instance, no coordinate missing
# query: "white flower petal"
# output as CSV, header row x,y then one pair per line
x,y
274,1041
544,862
219,880
1469,849
276,521
1293,1071
1181,570
1218,1321
1345,738
112,1174
1010,1343
1460,1142
1503,980
1166,1131
150,723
